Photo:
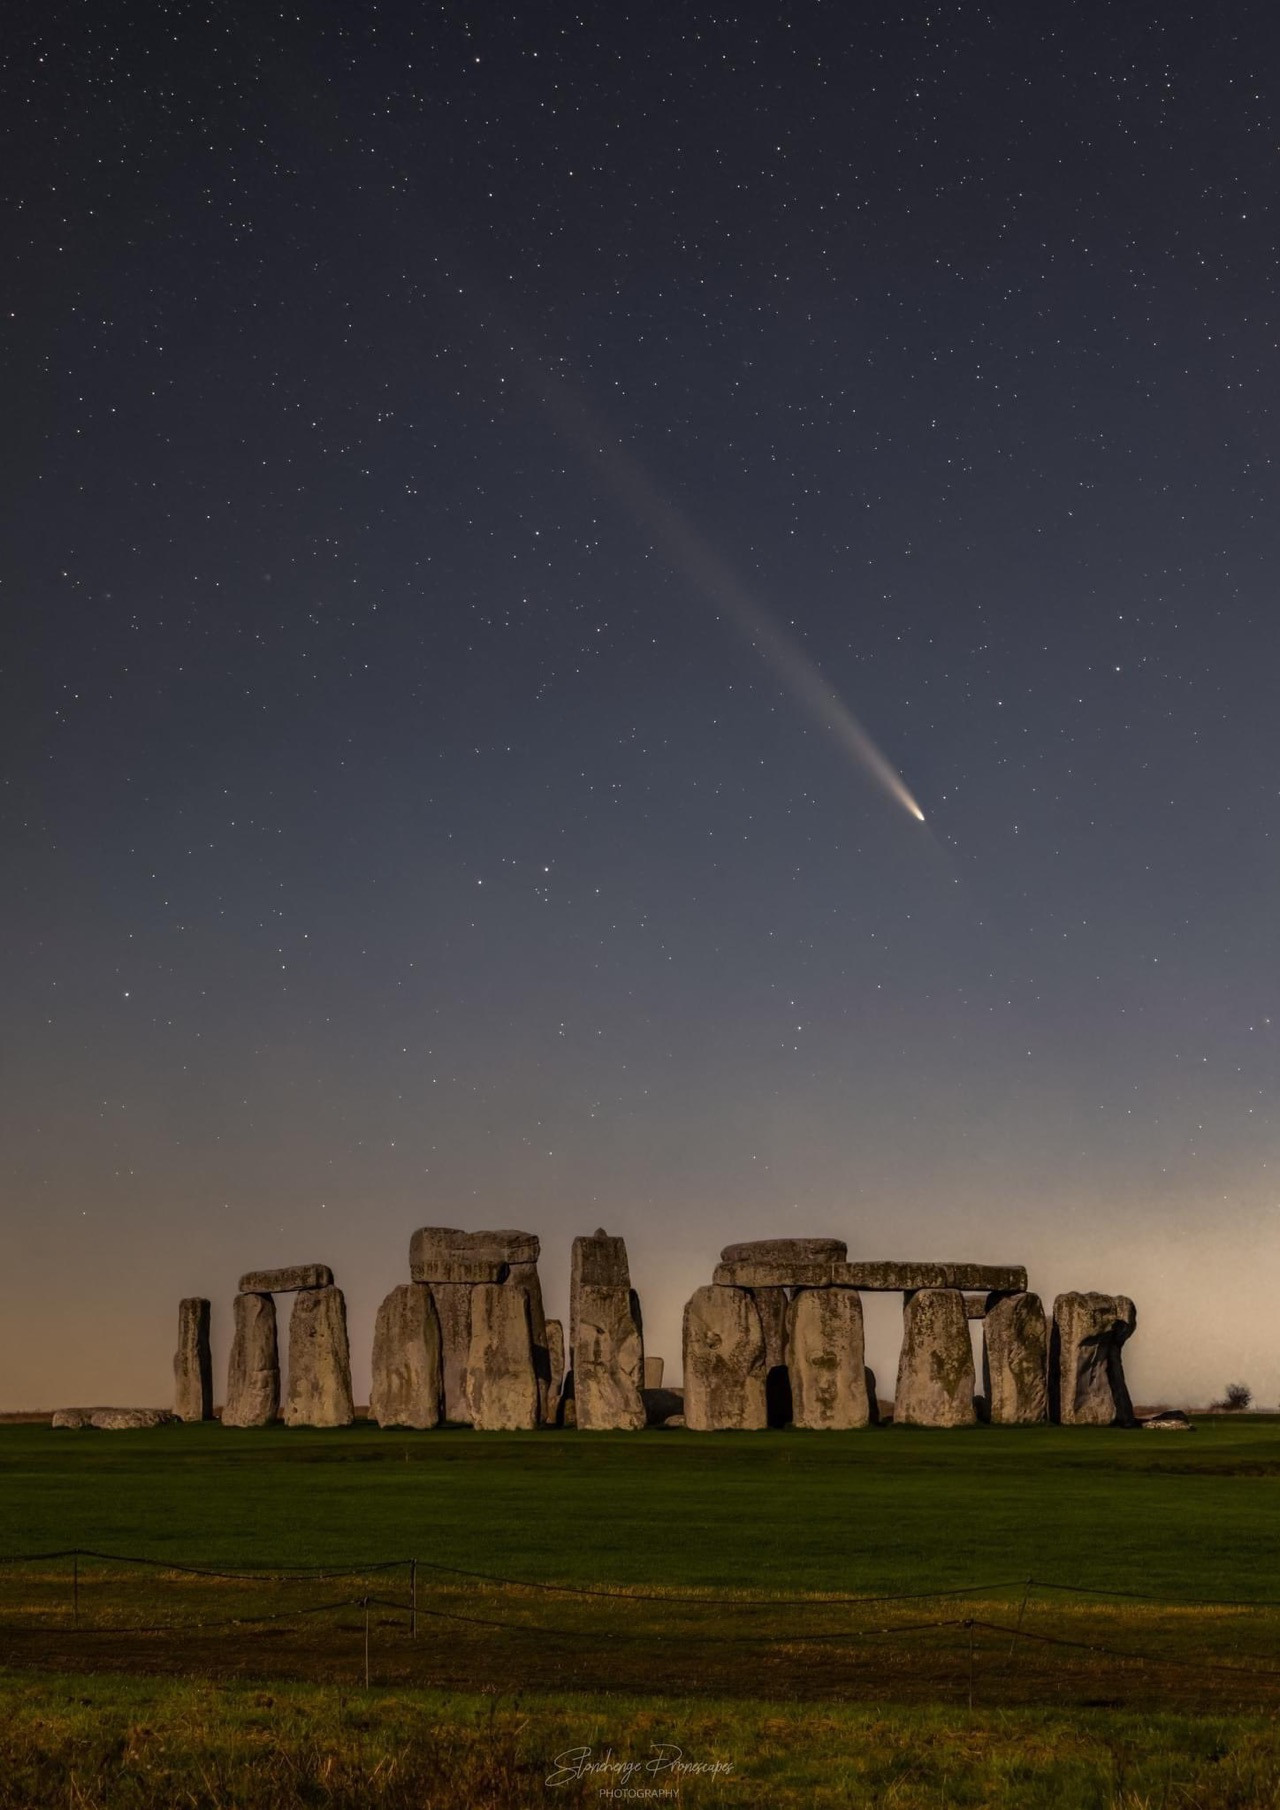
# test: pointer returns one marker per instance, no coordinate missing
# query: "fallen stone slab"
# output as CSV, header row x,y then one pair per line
x,y
608,1360
319,1361
1086,1374
253,1369
286,1281
935,1369
1173,1420
826,1360
128,1420
786,1250
193,1362
724,1361
1015,1361
502,1388
406,1386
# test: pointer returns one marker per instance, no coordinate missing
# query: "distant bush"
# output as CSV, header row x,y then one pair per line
x,y
1236,1400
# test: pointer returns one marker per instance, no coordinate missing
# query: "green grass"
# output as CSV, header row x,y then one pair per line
x,y
100,1743
1177,1514
187,1702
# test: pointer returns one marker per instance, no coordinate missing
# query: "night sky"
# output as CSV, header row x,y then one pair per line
x,y
400,825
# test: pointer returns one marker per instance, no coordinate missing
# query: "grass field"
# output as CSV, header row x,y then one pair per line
x,y
719,1560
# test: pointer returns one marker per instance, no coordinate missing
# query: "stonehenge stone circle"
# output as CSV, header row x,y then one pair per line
x,y
1086,1375
253,1370
935,1369
407,1384
193,1362
287,1281
502,1388
1015,1360
608,1360
825,1359
319,1361
724,1361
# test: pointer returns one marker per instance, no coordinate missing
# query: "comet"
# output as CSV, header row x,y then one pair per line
x,y
689,552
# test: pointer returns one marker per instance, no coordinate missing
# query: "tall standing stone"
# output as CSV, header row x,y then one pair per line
x,y
253,1370
772,1305
1086,1375
935,1370
1015,1360
406,1360
319,1361
453,1310
555,1352
502,1387
522,1274
596,1262
193,1362
608,1360
724,1360
826,1360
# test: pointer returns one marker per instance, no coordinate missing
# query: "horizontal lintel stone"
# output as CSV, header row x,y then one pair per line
x,y
885,1278
286,1281
786,1250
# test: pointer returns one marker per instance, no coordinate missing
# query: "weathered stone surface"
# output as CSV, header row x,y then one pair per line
x,y
253,1370
771,1304
661,1404
977,1306
596,1262
443,1254
407,1385
935,1370
524,1276
825,1359
319,1361
608,1360
555,1352
453,1310
287,1281
74,1419
128,1420
501,1385
1015,1361
724,1360
1171,1420
1086,1375
891,1278
653,1368
786,1250
193,1362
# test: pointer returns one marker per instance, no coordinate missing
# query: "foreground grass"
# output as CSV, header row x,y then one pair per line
x,y
101,1743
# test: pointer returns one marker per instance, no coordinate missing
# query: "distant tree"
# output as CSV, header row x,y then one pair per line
x,y
1236,1400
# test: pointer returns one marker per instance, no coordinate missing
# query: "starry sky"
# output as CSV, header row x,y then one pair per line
x,y
399,826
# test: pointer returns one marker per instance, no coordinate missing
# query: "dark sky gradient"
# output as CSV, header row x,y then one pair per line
x,y
396,835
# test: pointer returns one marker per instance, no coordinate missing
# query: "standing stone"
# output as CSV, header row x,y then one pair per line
x,y
253,1370
771,1304
724,1360
653,1369
319,1361
935,1370
406,1360
523,1275
1086,1376
453,1310
597,1262
825,1359
193,1362
608,1360
555,1353
501,1385
1015,1360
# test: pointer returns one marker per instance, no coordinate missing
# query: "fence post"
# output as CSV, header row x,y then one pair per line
x,y
75,1589
413,1599
366,1643
1022,1609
